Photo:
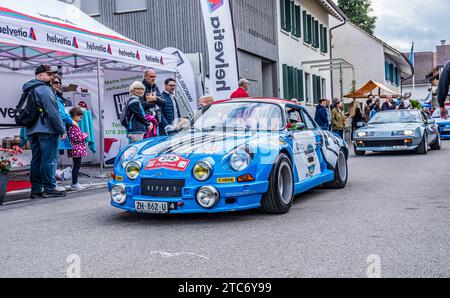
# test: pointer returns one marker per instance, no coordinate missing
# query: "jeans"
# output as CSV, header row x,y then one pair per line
x,y
76,169
339,133
44,148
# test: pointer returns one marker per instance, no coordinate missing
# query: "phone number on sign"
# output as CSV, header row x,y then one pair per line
x,y
113,132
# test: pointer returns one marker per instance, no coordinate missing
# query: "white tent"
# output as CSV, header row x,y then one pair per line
x,y
34,32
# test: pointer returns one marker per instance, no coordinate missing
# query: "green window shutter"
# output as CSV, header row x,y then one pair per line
x,y
386,70
309,29
321,38
313,33
314,89
288,15
285,81
290,82
325,40
295,83
319,87
305,26
316,34
283,14
298,21
391,73
301,93
293,19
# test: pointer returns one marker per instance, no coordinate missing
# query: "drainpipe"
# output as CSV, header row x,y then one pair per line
x,y
331,54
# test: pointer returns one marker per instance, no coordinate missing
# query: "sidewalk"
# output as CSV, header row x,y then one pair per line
x,y
89,178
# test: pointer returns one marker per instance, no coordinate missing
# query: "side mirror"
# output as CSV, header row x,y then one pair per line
x,y
431,121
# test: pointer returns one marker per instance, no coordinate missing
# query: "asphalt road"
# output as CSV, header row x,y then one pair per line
x,y
396,207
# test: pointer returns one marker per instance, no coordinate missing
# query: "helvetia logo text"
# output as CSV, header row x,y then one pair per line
x,y
130,54
18,32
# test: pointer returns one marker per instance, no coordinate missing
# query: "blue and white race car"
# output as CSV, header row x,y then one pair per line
x,y
233,155
444,124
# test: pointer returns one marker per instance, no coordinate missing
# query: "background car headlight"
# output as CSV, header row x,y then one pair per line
x,y
240,160
208,196
361,134
128,155
119,194
202,171
133,169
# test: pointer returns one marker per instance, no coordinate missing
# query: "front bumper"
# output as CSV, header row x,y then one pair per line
x,y
233,197
386,144
445,132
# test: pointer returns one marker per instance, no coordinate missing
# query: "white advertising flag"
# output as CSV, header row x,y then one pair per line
x,y
223,67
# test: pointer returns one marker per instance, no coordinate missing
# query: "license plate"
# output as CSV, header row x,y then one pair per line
x,y
152,207
400,147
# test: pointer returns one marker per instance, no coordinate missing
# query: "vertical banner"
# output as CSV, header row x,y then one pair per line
x,y
223,67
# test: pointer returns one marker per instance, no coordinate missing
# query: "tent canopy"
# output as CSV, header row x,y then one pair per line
x,y
57,33
369,88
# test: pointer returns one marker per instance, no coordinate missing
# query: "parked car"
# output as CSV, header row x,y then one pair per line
x,y
398,131
233,155
444,124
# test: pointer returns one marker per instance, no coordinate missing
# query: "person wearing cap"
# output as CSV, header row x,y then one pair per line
x,y
44,135
442,93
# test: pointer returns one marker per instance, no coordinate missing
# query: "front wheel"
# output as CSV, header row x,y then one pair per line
x,y
340,173
423,146
437,145
280,195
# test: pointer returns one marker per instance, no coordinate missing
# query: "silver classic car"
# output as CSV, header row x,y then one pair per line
x,y
399,130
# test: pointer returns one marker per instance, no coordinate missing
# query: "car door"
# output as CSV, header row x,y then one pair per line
x,y
431,128
305,149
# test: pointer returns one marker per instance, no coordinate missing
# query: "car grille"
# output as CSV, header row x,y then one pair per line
x,y
445,133
387,143
162,188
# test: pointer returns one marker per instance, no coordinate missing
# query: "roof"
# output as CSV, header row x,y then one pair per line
x,y
278,101
442,55
332,9
423,64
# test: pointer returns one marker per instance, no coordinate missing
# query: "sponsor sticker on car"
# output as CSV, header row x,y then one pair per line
x,y
226,180
171,162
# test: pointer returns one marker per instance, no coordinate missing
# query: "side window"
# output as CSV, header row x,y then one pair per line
x,y
310,124
294,116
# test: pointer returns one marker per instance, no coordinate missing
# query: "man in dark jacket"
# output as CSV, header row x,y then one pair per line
x,y
321,117
171,110
44,136
444,84
152,93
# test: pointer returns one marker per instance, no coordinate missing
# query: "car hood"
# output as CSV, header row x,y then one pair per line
x,y
389,127
441,121
205,143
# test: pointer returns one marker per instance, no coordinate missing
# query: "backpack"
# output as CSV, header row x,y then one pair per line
x,y
27,111
124,120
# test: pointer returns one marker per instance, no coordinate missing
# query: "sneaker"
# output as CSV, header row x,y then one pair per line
x,y
37,195
77,187
60,188
54,194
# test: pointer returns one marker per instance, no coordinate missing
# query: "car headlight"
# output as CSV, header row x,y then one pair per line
x,y
133,169
128,155
202,171
361,134
408,132
119,194
208,196
240,160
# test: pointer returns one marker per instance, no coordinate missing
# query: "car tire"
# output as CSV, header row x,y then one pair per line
x,y
340,173
437,145
279,197
423,146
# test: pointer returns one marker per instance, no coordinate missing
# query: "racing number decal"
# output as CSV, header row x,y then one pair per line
x,y
306,159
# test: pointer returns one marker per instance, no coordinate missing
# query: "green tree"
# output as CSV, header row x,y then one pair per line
x,y
358,12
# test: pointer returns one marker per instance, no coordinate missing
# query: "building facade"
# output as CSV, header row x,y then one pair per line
x,y
303,37
179,24
371,58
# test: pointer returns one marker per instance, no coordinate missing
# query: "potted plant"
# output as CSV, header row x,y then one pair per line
x,y
8,159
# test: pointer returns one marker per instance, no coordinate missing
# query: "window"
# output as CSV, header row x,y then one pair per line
x,y
91,7
317,88
386,70
309,29
310,124
130,5
324,88
316,34
305,26
308,87
323,39
296,21
313,32
292,82
285,10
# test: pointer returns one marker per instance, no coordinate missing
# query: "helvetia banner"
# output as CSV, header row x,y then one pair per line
x,y
223,68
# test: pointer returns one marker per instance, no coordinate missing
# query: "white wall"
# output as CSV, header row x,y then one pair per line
x,y
294,51
365,53
421,90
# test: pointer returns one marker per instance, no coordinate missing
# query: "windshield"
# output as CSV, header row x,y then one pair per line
x,y
239,116
437,113
396,117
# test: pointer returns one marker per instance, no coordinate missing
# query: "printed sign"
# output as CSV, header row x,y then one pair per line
x,y
170,162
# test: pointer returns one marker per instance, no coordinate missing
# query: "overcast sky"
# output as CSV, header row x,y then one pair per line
x,y
402,21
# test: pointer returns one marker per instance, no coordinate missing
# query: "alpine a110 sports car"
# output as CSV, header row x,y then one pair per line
x,y
233,155
444,124
400,130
